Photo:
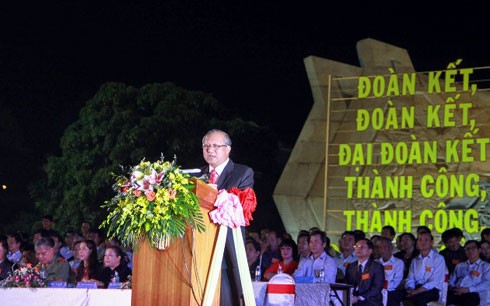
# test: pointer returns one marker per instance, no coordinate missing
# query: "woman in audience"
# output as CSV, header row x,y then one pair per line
x,y
116,266
287,264
89,268
407,251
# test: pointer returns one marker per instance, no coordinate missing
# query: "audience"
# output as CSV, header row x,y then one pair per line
x,y
54,268
5,264
89,268
115,266
366,275
426,273
347,254
318,259
414,274
485,250
254,258
302,243
287,264
408,251
453,253
470,281
388,231
393,268
14,242
47,222
272,254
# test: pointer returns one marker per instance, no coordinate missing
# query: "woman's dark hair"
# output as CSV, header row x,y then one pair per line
x,y
290,243
93,264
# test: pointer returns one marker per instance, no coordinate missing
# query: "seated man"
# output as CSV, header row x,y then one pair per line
x,y
366,275
426,273
454,253
53,268
318,259
393,268
470,281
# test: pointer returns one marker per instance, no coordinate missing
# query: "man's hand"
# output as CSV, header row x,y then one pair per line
x,y
460,290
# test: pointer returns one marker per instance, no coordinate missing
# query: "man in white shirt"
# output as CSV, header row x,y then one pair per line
x,y
470,280
318,259
426,273
347,254
14,242
393,268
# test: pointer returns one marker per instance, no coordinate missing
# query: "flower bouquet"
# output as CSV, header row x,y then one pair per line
x,y
154,201
25,276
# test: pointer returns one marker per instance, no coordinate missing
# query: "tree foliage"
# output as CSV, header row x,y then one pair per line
x,y
121,125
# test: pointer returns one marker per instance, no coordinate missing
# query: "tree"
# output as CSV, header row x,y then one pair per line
x,y
121,125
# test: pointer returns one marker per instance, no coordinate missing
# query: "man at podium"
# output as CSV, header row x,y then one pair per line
x,y
223,173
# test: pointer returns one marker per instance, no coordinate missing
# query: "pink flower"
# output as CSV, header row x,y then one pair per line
x,y
228,210
150,195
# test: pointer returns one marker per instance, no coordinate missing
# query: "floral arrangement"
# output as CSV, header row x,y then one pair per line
x,y
25,276
154,201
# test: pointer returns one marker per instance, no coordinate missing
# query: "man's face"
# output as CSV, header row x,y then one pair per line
x,y
348,242
453,243
215,156
316,245
362,250
386,233
46,224
384,249
424,242
273,241
13,245
44,254
472,252
303,246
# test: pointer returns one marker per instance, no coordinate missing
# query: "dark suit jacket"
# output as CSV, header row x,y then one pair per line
x,y
233,175
370,284
240,176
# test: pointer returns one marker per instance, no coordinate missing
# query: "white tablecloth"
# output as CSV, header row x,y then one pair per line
x,y
307,294
64,297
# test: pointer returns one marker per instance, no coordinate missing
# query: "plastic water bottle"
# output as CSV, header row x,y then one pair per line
x,y
279,270
322,275
116,277
258,274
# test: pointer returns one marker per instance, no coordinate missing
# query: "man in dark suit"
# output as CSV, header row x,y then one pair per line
x,y
366,275
223,173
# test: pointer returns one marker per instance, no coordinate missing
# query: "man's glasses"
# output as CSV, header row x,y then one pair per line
x,y
214,146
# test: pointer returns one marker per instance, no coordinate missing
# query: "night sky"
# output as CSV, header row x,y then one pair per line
x,y
55,55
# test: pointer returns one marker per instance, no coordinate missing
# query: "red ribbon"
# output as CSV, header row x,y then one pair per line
x,y
281,288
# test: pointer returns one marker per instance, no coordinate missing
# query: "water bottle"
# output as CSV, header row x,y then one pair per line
x,y
279,270
322,275
258,274
116,277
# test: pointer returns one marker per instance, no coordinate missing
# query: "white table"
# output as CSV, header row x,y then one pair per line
x,y
307,294
64,297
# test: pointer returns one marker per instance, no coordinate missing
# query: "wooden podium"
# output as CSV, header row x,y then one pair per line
x,y
178,274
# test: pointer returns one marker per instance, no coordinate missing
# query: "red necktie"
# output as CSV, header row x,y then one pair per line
x,y
213,178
